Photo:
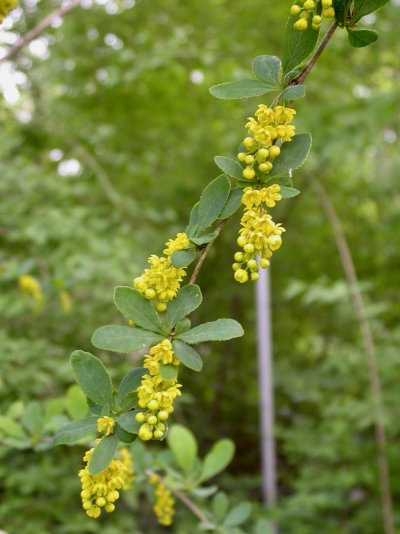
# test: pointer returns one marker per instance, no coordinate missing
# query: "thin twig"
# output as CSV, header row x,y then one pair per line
x,y
183,498
205,252
39,28
321,47
368,339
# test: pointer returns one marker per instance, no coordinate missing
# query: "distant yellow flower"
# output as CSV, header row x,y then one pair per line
x,y
164,506
102,491
31,286
105,424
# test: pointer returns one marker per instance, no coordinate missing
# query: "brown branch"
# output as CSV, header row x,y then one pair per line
x,y
321,47
183,498
203,256
39,28
368,340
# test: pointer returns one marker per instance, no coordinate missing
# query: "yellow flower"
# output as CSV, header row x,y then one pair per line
x,y
164,506
161,281
181,242
305,9
31,286
5,7
105,424
102,491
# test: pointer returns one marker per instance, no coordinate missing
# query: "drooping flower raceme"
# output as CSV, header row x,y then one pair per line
x,y
164,506
267,129
259,235
162,280
156,395
100,492
313,11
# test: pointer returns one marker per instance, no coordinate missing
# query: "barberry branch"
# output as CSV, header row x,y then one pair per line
x,y
369,345
203,255
39,28
321,47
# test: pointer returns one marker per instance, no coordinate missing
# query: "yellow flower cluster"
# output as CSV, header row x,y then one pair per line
x,y
259,235
268,128
105,424
5,7
164,506
161,281
31,286
307,10
102,490
155,394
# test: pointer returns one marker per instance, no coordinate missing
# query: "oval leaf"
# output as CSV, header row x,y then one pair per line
x,y
218,458
238,515
361,38
183,446
293,154
219,330
288,192
267,69
212,201
124,338
229,166
103,454
364,7
130,382
128,422
188,299
75,431
294,92
183,258
297,45
168,372
133,305
187,355
240,89
232,204
92,377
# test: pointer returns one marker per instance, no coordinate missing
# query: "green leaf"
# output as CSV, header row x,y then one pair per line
x,y
267,69
183,446
229,166
11,427
193,227
168,372
361,38
183,258
124,338
75,402
240,89
187,355
218,458
212,201
219,330
130,382
238,515
297,45
75,431
182,326
284,180
220,505
133,305
293,154
294,92
288,192
103,454
92,377
341,10
232,204
188,299
204,239
123,435
364,7
128,422
32,418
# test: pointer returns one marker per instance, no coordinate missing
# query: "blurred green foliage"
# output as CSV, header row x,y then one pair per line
x,y
123,92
